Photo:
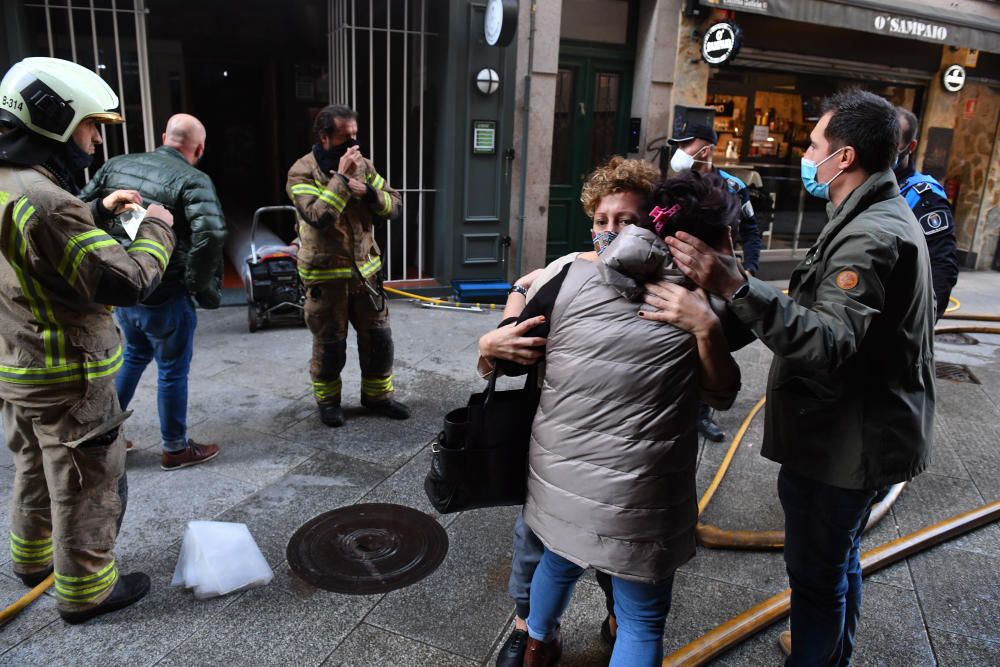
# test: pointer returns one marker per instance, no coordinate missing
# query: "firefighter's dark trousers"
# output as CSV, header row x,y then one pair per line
x,y
69,495
330,305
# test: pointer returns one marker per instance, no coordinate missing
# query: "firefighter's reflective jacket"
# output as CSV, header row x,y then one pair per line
x,y
58,274
335,227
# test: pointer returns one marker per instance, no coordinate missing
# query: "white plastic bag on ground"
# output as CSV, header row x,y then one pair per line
x,y
218,558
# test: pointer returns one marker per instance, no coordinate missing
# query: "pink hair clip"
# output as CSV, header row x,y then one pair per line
x,y
660,216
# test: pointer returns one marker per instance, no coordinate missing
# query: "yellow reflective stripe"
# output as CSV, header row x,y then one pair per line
x,y
85,579
330,197
376,386
370,267
305,189
154,248
84,589
324,274
24,542
387,204
65,373
326,390
375,180
53,339
77,247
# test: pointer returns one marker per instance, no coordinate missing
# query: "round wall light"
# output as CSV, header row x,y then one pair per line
x,y
488,81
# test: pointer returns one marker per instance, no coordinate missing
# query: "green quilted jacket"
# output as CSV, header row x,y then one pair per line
x,y
165,177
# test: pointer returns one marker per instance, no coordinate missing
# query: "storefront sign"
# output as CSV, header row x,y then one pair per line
x,y
760,133
953,78
910,27
970,107
721,43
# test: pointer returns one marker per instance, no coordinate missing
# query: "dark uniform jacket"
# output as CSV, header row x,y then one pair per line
x,y
927,199
164,176
749,230
335,227
850,396
58,272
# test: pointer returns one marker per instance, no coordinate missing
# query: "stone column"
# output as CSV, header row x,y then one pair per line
x,y
538,160
655,57
690,85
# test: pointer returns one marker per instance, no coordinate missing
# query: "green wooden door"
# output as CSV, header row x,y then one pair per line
x,y
591,125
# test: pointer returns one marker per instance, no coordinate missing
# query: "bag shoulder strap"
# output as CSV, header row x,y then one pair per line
x,y
580,273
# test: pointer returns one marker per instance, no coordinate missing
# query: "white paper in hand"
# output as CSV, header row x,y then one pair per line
x,y
131,219
218,558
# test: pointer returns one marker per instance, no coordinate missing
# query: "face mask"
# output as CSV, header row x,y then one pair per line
x,y
77,158
681,161
602,240
809,169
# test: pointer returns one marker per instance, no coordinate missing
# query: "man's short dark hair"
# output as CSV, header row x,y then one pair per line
x,y
908,133
326,120
866,122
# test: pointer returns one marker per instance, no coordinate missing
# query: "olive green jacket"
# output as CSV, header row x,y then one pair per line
x,y
850,396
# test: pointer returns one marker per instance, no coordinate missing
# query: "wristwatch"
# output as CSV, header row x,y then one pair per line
x,y
520,290
743,290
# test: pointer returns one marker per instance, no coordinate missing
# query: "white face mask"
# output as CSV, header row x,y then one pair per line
x,y
681,161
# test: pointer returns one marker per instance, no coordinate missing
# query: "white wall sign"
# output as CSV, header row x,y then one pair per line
x,y
953,78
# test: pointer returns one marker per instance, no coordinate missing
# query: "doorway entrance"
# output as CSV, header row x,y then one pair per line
x,y
593,94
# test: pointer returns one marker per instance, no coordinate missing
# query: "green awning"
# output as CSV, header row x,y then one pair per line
x,y
918,20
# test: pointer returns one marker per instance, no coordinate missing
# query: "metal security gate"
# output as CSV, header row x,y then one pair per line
x,y
378,67
109,37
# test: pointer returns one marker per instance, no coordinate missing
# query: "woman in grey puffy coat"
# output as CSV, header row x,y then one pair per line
x,y
614,441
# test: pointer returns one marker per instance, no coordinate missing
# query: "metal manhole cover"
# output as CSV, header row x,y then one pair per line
x,y
956,339
370,548
954,372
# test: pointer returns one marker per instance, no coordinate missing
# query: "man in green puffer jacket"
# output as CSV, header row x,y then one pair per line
x,y
162,327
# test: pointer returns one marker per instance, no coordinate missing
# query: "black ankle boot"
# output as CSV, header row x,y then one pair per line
x,y
392,409
331,415
34,578
512,652
130,589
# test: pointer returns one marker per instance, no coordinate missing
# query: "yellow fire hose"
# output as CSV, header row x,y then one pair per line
x,y
758,617
32,595
443,302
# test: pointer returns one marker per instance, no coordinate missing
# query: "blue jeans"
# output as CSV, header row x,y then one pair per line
x,y
823,527
641,610
165,333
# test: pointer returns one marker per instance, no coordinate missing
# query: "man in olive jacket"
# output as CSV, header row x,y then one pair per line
x,y
162,326
850,396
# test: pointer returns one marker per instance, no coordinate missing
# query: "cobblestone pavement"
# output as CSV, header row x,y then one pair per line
x,y
279,466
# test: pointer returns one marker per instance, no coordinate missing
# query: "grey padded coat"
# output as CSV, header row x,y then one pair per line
x,y
611,465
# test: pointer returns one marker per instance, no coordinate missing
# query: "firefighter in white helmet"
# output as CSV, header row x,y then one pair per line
x,y
59,347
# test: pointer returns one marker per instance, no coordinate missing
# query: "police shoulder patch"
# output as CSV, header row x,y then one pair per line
x,y
747,209
847,279
934,222
921,188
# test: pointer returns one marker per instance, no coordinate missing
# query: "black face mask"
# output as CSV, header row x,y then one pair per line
x,y
329,160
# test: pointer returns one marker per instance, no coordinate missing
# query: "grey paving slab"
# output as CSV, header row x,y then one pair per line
x,y
884,531
322,483
945,460
406,487
39,614
891,631
953,650
368,645
959,591
743,501
278,624
978,445
140,636
931,498
463,604
760,571
158,513
966,403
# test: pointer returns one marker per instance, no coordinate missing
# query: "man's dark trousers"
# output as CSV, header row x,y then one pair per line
x,y
823,527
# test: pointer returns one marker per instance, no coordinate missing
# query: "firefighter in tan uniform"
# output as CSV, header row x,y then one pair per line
x,y
59,347
338,195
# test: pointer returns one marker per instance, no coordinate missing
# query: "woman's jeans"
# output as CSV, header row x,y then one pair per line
x,y
823,527
165,333
641,610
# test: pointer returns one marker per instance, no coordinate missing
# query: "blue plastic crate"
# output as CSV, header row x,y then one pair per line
x,y
489,291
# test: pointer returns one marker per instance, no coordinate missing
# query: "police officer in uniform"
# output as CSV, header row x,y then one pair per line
x,y
339,195
59,347
929,203
695,144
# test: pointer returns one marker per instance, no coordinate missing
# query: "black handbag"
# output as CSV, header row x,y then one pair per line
x,y
480,458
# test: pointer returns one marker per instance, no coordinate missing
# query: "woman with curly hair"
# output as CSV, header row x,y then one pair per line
x,y
611,463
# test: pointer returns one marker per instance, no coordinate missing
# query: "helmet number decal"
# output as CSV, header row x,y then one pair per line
x,y
12,103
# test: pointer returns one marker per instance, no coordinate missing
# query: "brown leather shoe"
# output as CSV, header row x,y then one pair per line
x,y
785,642
543,654
194,454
